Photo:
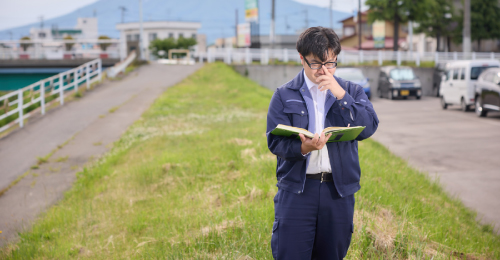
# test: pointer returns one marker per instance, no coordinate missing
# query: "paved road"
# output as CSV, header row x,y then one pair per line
x,y
91,129
459,148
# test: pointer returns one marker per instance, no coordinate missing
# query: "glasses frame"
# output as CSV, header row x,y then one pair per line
x,y
309,64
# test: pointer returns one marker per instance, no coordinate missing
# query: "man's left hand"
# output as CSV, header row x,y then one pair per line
x,y
327,81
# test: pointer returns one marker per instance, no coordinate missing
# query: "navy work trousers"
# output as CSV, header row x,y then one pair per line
x,y
316,224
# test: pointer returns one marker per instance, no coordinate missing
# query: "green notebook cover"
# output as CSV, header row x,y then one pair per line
x,y
339,134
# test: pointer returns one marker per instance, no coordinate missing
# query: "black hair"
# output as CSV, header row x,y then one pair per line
x,y
318,41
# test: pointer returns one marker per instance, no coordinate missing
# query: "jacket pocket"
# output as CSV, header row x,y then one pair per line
x,y
274,239
297,112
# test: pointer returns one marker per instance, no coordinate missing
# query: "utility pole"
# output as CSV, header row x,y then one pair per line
x,y
359,24
410,31
123,12
236,25
306,19
331,14
141,47
10,33
466,32
271,35
41,21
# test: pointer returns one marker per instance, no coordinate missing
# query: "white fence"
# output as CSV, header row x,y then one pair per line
x,y
60,49
247,56
121,66
45,92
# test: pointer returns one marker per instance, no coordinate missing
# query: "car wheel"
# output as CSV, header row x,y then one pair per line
x,y
464,106
443,103
418,97
480,112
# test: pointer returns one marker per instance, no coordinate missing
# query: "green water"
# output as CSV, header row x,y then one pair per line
x,y
20,80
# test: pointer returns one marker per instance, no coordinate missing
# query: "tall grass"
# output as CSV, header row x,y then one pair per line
x,y
193,179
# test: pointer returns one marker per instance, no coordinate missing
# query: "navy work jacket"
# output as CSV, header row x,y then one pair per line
x,y
292,104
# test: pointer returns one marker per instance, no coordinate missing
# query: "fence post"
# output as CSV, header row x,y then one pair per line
x,y
417,61
99,69
75,80
492,56
473,55
42,96
455,55
247,56
398,57
285,55
361,57
61,89
379,57
436,57
87,75
19,106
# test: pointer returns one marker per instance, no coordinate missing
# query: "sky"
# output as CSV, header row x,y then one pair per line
x,y
15,13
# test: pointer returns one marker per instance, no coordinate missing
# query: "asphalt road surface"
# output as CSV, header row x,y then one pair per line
x,y
459,148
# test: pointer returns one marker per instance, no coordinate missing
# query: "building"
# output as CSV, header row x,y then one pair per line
x,y
350,28
86,29
129,34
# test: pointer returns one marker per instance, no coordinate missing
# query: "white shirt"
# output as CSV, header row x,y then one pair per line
x,y
318,160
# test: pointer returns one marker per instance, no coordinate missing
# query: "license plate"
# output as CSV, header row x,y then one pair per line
x,y
405,92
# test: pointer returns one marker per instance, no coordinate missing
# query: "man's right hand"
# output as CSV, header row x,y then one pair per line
x,y
316,143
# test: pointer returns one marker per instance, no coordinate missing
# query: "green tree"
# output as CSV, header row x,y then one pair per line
x,y
484,22
160,47
438,21
104,46
25,46
397,11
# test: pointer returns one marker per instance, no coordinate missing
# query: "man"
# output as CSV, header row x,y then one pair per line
x,y
314,206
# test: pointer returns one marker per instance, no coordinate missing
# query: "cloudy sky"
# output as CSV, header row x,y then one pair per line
x,y
22,12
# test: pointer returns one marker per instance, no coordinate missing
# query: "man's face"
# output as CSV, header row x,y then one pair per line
x,y
314,74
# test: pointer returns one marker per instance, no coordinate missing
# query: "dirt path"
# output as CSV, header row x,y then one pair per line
x,y
83,130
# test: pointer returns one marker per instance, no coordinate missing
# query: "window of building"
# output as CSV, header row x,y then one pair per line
x,y
348,31
136,37
152,36
170,35
41,35
193,36
181,35
129,37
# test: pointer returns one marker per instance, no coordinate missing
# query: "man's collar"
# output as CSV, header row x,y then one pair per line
x,y
309,83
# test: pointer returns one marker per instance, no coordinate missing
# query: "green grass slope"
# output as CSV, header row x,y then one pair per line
x,y
193,179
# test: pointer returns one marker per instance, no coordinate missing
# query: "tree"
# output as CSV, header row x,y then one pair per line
x,y
25,46
438,21
104,46
484,21
160,47
397,11
69,45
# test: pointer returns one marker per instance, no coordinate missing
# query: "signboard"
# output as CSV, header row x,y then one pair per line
x,y
378,32
251,10
244,35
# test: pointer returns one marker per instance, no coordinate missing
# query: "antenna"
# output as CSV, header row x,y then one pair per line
x,y
41,21
123,12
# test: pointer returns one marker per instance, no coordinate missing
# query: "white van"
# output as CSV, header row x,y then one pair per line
x,y
457,84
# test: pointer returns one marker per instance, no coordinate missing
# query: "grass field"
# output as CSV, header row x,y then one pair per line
x,y
193,179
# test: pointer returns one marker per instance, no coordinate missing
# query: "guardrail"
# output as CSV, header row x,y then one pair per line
x,y
60,49
247,56
121,66
19,105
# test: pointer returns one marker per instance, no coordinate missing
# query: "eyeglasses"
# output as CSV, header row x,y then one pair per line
x,y
317,66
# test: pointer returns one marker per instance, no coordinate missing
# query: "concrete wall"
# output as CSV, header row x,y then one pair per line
x,y
273,76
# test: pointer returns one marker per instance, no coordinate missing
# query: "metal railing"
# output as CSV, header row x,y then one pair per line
x,y
60,49
247,56
18,105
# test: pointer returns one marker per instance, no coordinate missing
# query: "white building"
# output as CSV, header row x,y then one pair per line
x,y
129,34
88,27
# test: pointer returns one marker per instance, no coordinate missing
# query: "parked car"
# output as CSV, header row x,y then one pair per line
x,y
355,75
394,82
438,73
457,85
487,92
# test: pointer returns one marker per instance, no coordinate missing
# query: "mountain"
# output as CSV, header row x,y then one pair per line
x,y
217,17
